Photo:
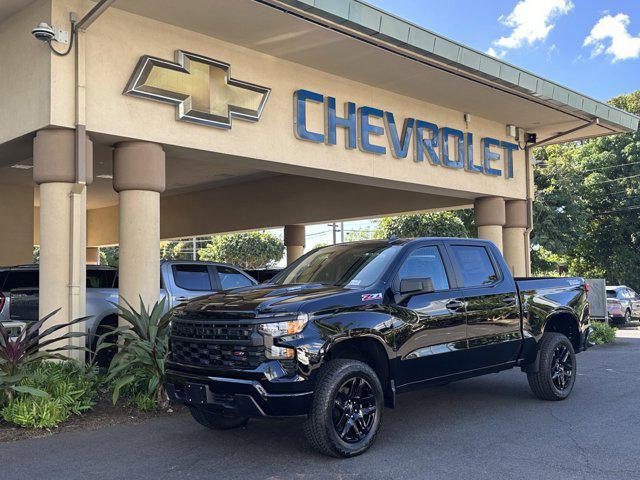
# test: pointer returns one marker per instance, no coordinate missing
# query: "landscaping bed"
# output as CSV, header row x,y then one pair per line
x,y
103,414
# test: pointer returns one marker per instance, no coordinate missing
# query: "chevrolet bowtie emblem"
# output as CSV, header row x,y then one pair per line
x,y
201,87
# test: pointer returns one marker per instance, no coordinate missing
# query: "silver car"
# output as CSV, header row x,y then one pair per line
x,y
180,280
623,304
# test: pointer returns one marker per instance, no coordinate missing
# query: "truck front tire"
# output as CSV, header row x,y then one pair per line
x,y
217,421
346,412
556,376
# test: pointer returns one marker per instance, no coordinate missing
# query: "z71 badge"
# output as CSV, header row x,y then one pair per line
x,y
371,296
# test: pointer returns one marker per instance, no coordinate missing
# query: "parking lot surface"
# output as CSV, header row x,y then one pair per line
x,y
489,427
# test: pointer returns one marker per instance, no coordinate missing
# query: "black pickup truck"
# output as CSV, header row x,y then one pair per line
x,y
337,334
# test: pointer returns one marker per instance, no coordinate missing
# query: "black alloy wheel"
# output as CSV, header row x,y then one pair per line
x,y
562,367
354,410
557,369
346,412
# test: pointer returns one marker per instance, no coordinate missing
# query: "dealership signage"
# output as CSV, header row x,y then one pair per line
x,y
201,88
445,146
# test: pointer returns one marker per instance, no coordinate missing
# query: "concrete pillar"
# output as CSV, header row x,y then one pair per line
x,y
16,240
93,256
139,178
514,236
62,228
490,217
294,240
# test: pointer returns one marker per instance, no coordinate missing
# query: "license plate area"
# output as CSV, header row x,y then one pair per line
x,y
195,393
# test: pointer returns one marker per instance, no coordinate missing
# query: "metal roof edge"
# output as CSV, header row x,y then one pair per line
x,y
383,26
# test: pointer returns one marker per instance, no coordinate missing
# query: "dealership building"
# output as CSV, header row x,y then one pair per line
x,y
170,119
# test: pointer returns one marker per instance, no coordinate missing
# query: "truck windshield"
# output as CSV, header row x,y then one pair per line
x,y
356,265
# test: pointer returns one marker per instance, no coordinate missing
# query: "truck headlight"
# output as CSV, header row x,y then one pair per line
x,y
289,327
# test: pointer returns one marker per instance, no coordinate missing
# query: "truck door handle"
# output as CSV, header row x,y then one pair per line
x,y
509,300
181,299
455,305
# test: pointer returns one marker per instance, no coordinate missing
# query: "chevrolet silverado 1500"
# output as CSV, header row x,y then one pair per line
x,y
340,332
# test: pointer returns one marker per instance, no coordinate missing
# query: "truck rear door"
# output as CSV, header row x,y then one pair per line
x,y
493,312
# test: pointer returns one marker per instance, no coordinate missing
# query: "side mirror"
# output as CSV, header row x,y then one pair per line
x,y
415,286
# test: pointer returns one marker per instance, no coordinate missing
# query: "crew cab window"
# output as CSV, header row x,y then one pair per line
x,y
475,265
97,278
192,277
21,279
611,294
231,278
425,262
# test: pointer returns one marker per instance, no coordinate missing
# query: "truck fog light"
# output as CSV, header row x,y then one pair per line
x,y
280,353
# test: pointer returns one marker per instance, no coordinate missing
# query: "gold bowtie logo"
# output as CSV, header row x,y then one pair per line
x,y
201,87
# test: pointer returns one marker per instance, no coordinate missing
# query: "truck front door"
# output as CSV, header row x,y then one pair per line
x,y
493,312
433,340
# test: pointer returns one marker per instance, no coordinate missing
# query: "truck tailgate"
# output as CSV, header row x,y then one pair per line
x,y
23,304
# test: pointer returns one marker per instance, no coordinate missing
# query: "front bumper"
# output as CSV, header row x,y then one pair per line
x,y
243,393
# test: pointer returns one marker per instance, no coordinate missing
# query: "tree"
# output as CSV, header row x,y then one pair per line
x,y
247,250
587,204
436,224
172,250
109,256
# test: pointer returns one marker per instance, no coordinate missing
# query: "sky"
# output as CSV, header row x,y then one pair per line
x,y
591,46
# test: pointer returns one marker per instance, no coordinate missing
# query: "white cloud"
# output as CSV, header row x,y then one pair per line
x,y
611,36
531,21
492,51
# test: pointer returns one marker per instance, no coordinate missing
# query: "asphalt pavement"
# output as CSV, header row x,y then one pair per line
x,y
489,427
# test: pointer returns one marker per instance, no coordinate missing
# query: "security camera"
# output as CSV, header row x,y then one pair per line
x,y
44,32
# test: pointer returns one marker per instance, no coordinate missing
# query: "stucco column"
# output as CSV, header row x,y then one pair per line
x,y
62,228
139,178
514,236
93,256
16,240
294,240
490,217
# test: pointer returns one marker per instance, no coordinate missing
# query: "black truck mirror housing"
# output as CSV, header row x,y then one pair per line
x,y
415,286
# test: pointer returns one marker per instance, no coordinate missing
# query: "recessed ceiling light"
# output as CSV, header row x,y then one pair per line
x,y
105,175
22,167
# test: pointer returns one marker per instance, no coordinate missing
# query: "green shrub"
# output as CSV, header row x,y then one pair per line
x,y
139,365
602,333
70,389
144,402
35,412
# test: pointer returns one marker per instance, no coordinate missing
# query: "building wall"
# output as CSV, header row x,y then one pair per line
x,y
25,73
118,39
270,202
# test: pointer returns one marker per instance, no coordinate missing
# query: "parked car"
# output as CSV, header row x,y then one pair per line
x,y
179,281
341,331
623,304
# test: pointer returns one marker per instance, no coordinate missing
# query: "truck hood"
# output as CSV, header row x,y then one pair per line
x,y
265,299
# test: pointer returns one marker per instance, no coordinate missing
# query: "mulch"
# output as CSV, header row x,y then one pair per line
x,y
103,414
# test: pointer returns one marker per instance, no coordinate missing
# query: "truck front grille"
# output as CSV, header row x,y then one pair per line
x,y
204,354
213,344
210,331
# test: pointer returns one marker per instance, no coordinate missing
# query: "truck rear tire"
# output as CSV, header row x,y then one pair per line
x,y
346,413
556,375
217,421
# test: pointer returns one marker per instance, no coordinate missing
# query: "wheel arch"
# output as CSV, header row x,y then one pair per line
x,y
370,350
566,323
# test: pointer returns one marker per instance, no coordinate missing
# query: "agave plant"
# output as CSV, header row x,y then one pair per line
x,y
20,352
143,350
